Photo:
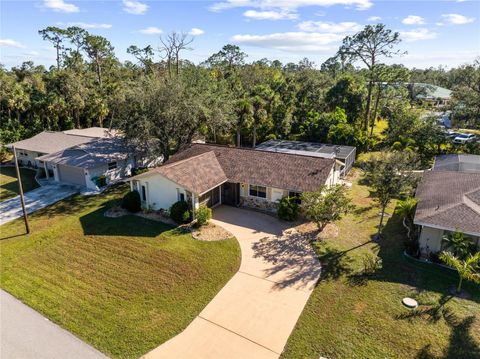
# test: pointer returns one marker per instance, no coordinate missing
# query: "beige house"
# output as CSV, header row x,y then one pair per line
x,y
214,175
447,201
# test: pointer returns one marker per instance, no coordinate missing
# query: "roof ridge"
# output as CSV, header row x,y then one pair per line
x,y
185,160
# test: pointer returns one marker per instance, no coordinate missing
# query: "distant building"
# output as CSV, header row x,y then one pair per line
x,y
344,154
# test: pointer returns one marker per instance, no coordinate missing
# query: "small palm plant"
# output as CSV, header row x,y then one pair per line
x,y
406,210
458,244
467,269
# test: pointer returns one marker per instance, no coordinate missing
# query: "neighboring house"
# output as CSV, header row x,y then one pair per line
x,y
344,154
435,95
448,200
47,142
213,175
93,164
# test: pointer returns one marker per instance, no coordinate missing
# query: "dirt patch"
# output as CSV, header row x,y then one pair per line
x,y
158,216
310,229
211,232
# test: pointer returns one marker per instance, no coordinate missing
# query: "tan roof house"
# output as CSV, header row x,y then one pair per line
x,y
448,200
214,175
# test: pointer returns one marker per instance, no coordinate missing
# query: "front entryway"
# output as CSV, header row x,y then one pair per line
x,y
211,198
231,193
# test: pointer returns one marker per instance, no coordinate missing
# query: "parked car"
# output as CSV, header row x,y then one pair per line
x,y
451,134
464,138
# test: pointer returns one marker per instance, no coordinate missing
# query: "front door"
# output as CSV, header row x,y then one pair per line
x,y
231,193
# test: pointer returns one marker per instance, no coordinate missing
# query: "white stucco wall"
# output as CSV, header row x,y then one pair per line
x,y
27,156
430,239
161,192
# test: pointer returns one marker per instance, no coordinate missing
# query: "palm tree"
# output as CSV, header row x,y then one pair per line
x,y
459,244
467,269
406,210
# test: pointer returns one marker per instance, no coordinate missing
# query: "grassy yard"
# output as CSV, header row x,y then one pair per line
x,y
124,285
353,316
8,181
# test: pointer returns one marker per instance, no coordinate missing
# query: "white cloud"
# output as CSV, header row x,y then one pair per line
x,y
85,25
134,7
195,31
11,43
457,19
374,18
270,15
417,34
324,26
290,5
413,20
60,6
291,41
151,30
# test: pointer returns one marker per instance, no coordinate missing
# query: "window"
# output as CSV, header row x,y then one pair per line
x,y
258,191
296,195
180,195
112,165
144,193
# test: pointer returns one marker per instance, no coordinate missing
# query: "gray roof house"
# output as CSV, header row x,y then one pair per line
x,y
90,157
448,200
213,174
344,154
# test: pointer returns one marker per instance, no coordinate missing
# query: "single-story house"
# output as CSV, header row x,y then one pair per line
x,y
214,174
457,162
435,95
47,142
344,154
447,201
93,164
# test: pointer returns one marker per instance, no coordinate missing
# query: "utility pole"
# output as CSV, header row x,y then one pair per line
x,y
20,189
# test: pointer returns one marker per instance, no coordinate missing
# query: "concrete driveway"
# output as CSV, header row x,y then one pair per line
x,y
254,314
34,200
26,334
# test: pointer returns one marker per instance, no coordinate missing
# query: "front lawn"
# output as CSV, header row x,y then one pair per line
x,y
9,185
352,316
124,285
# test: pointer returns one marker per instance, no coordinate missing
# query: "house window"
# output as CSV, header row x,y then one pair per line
x,y
112,165
144,193
180,195
296,195
258,191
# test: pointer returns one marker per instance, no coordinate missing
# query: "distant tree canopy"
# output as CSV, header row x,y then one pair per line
x,y
162,99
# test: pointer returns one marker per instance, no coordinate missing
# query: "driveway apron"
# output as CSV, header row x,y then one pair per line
x,y
34,200
255,312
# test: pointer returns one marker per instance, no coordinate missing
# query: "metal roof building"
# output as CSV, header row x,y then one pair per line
x,y
345,154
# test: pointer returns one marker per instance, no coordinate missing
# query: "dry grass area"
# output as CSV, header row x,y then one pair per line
x,y
354,315
124,285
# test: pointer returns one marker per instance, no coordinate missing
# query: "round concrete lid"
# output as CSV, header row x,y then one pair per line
x,y
410,302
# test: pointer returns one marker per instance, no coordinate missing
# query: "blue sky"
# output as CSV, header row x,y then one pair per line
x,y
433,32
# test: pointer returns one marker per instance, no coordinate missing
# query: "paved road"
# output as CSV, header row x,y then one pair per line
x,y
34,200
254,314
25,334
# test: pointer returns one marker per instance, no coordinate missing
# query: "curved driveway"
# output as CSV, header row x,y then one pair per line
x,y
254,314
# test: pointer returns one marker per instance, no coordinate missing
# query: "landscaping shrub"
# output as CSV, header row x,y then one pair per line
x,y
371,263
203,215
131,202
288,209
179,212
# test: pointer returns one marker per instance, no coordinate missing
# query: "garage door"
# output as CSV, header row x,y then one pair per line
x,y
73,175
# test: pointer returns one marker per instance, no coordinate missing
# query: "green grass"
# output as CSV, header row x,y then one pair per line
x,y
8,181
350,315
124,285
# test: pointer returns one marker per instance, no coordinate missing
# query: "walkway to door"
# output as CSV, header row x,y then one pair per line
x,y
254,314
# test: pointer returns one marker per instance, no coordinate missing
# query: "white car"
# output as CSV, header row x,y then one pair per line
x,y
464,138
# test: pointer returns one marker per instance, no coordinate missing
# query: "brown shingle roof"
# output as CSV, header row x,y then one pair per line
x,y
198,174
449,200
272,169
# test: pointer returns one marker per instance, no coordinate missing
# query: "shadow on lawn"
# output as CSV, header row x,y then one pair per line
x,y
96,224
462,344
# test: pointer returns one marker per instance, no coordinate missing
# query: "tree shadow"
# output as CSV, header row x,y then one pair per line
x,y
461,344
96,224
291,257
431,314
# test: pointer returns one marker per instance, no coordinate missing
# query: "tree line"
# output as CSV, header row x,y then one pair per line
x,y
163,101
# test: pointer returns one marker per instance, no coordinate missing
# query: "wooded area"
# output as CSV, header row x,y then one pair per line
x,y
164,101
